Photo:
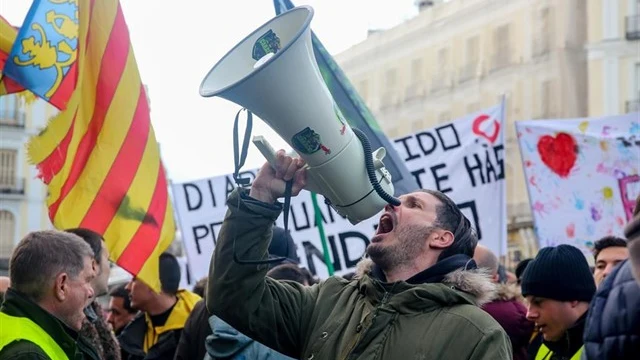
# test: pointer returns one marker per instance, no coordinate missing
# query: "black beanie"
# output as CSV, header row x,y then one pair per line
x,y
169,273
559,273
520,268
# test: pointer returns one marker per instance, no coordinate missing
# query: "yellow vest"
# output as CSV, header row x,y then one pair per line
x,y
20,328
544,353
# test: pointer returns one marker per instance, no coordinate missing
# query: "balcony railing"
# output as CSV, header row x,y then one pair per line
x,y
632,106
12,185
632,27
12,118
468,72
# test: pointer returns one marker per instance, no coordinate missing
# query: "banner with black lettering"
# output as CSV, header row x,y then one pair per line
x,y
463,159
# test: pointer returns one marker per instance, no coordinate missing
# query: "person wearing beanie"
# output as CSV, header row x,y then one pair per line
x,y
154,333
558,286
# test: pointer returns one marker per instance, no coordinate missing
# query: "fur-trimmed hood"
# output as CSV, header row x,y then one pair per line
x,y
475,282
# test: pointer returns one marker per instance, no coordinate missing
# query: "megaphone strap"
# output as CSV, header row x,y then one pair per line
x,y
240,157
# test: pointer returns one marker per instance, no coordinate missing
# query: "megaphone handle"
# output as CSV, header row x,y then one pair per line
x,y
265,149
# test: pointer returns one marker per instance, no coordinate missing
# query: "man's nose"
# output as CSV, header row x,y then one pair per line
x,y
91,293
389,208
531,314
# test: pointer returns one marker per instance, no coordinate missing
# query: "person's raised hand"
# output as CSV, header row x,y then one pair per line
x,y
270,183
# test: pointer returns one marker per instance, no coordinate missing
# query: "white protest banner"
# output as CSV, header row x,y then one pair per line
x,y
200,206
582,176
465,160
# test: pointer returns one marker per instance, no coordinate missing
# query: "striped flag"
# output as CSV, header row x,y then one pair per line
x,y
8,36
100,158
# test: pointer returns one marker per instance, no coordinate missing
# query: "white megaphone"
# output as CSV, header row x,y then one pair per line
x,y
273,73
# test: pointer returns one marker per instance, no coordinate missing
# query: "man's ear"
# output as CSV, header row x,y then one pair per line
x,y
61,286
441,239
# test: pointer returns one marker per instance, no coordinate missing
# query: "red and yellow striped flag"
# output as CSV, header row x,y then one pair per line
x,y
100,157
8,36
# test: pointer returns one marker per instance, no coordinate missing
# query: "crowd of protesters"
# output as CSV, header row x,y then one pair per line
x,y
425,290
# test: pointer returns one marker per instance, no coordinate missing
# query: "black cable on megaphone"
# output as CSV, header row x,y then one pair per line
x,y
371,170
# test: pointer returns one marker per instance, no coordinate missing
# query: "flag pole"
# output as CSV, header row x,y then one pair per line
x,y
323,237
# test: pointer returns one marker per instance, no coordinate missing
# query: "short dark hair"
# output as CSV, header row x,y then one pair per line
x,y
291,272
450,218
92,238
607,242
41,256
120,291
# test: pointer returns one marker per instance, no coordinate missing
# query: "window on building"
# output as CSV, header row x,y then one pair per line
x,y
7,232
391,78
502,55
443,59
416,70
471,54
8,168
633,104
472,51
544,33
8,109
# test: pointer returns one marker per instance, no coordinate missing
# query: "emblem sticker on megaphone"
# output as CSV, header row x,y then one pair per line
x,y
273,73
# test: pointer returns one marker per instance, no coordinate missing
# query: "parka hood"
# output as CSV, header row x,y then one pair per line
x,y
471,286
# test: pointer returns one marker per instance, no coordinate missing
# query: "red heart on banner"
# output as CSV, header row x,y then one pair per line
x,y
558,153
476,128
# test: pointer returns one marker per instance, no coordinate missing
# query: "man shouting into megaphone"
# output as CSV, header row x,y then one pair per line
x,y
417,293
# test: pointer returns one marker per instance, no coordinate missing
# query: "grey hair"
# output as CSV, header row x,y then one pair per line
x,y
41,256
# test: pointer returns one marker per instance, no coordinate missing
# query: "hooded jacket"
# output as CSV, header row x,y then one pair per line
x,y
613,323
227,343
511,314
338,319
141,340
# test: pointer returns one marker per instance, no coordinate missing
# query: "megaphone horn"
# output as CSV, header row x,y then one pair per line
x,y
273,74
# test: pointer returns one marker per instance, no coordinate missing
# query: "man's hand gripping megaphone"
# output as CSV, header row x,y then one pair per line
x,y
270,182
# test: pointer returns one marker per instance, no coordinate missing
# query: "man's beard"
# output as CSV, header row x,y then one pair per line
x,y
411,242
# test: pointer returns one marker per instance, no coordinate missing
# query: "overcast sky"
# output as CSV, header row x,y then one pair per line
x,y
176,43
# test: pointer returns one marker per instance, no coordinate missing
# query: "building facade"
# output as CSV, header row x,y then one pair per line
x,y
22,194
460,56
614,56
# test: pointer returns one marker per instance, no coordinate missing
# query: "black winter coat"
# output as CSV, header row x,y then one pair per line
x,y
613,322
